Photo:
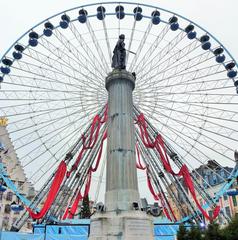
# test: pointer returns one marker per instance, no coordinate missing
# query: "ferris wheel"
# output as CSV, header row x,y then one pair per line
x,y
53,94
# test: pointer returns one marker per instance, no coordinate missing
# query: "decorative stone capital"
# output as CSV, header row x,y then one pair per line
x,y
121,75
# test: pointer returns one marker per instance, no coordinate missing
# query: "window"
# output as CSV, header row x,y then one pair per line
x,y
205,182
223,174
228,212
210,213
5,222
225,197
20,184
7,208
214,179
9,196
220,219
234,201
1,146
29,226
1,195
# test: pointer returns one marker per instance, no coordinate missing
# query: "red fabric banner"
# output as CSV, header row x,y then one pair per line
x,y
138,164
158,197
58,179
93,137
170,209
70,211
105,116
75,165
95,127
74,208
158,144
94,169
166,213
66,213
88,184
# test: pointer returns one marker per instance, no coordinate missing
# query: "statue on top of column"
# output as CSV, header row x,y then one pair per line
x,y
119,54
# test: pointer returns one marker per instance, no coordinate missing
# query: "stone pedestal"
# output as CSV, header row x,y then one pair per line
x,y
129,225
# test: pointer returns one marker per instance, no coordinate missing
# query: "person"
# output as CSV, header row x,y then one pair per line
x,y
119,54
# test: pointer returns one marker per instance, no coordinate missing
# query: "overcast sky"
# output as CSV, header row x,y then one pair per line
x,y
217,16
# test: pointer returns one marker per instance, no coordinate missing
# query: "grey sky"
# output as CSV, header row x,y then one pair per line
x,y
217,16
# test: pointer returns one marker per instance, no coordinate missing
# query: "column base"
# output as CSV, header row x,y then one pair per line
x,y
128,225
121,199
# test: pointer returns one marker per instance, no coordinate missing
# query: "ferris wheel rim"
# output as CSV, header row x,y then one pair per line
x,y
121,2
93,4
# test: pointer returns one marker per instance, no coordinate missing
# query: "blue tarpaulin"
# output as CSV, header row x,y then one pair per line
x,y
20,236
50,232
66,230
163,230
25,236
165,238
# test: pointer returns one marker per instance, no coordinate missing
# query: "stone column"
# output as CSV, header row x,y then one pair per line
x,y
119,220
121,182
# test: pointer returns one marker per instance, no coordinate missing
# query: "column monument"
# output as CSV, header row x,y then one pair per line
x,y
121,217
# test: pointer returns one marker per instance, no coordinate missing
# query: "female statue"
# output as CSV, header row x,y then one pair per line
x,y
119,54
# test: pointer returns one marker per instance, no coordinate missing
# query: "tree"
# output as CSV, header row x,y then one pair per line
x,y
85,210
195,233
213,232
182,233
231,231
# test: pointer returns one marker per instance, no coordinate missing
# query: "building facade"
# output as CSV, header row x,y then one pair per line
x,y
15,172
211,177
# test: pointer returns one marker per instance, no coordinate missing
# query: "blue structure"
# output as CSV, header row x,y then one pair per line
x,y
163,230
